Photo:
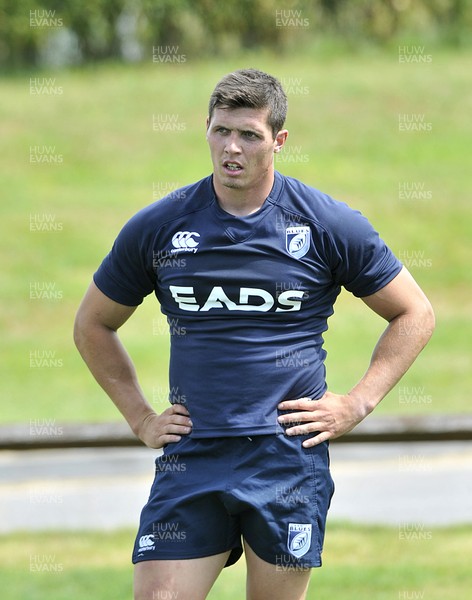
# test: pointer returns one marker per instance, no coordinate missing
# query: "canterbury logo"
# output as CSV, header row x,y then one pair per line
x,y
146,541
184,239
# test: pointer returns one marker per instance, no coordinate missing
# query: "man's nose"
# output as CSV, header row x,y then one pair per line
x,y
232,145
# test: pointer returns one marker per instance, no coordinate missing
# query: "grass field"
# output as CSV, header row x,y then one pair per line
x,y
59,218
105,160
359,563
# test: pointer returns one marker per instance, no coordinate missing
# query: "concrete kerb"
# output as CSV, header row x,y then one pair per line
x,y
48,434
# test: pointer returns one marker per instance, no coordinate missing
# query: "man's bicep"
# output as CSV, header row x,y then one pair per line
x,y
402,295
98,309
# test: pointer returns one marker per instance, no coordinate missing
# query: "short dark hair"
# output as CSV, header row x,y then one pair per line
x,y
251,88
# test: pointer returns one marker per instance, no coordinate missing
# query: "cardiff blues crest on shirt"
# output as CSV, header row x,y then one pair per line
x,y
299,538
297,240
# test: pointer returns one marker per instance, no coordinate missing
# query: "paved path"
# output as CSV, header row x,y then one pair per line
x,y
397,484
414,484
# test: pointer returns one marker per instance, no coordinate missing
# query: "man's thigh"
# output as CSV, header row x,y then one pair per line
x,y
266,581
189,579
285,490
185,517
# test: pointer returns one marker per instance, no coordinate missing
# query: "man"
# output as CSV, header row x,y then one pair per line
x,y
247,265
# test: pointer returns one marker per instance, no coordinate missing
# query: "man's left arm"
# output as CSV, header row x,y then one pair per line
x,y
410,325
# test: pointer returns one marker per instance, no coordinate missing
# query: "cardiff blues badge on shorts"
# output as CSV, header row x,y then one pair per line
x,y
299,538
297,240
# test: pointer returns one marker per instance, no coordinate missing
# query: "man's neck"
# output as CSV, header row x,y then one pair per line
x,y
242,202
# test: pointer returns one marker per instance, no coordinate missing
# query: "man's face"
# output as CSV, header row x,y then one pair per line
x,y
242,147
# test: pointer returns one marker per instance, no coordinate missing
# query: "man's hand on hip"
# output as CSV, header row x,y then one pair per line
x,y
167,428
330,417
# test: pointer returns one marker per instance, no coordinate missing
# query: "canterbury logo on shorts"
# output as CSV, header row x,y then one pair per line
x,y
146,542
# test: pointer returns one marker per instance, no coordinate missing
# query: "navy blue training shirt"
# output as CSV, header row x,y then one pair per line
x,y
246,298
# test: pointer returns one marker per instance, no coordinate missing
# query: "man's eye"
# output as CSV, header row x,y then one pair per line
x,y
250,134
222,130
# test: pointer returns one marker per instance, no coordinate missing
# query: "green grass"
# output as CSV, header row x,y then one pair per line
x,y
346,122
358,562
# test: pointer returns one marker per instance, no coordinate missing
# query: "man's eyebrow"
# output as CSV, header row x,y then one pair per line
x,y
251,130
244,130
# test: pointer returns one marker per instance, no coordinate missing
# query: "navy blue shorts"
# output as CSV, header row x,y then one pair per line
x,y
207,493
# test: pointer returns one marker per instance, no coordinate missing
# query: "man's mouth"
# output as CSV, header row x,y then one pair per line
x,y
232,166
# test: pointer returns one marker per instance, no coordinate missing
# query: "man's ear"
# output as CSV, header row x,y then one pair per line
x,y
280,140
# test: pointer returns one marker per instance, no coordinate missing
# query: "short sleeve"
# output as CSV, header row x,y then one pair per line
x,y
362,262
126,274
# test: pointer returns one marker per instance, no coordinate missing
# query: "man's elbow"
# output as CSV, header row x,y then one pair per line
x,y
78,332
432,320
81,331
426,320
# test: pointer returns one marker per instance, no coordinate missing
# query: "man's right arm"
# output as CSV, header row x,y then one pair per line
x,y
95,335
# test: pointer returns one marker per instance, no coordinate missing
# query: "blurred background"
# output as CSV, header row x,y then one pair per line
x,y
102,111
64,33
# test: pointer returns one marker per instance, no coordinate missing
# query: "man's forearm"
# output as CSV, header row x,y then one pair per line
x,y
395,352
113,369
